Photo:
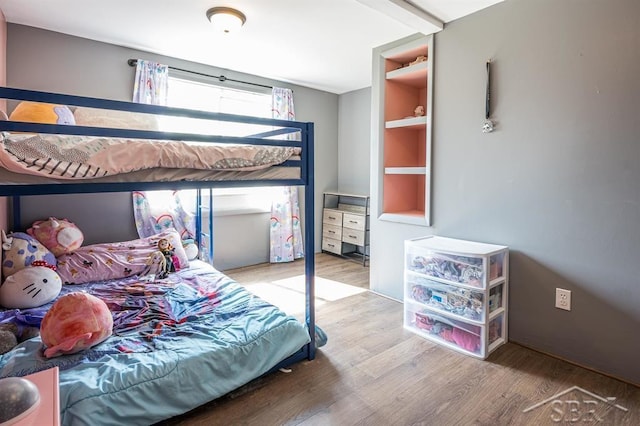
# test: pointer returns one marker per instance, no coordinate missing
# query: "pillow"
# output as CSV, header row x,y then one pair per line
x,y
58,235
117,119
20,250
36,112
99,262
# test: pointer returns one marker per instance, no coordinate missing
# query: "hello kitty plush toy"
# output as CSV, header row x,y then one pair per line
x,y
31,287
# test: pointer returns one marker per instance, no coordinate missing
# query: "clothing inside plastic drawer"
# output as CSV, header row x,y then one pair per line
x,y
458,269
466,336
460,301
496,266
495,329
495,298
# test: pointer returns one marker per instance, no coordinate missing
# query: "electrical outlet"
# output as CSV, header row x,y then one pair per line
x,y
563,299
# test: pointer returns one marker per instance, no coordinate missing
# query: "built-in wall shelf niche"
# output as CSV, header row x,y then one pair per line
x,y
404,83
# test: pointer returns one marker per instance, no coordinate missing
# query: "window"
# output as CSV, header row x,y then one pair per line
x,y
191,94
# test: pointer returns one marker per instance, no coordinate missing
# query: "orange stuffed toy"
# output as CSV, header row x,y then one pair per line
x,y
75,322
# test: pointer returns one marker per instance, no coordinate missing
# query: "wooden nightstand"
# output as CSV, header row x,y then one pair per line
x,y
345,225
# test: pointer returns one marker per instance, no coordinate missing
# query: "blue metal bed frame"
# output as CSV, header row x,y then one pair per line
x,y
305,164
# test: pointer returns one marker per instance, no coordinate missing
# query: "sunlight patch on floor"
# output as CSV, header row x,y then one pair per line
x,y
288,293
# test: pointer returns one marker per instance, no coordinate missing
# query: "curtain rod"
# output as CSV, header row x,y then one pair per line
x,y
220,78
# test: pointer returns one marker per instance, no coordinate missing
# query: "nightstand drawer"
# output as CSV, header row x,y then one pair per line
x,y
354,221
332,231
332,217
334,246
353,236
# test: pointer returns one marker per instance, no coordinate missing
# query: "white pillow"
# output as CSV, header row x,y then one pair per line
x,y
116,119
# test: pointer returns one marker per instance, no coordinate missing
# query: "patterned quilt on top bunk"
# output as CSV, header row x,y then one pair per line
x,y
86,157
177,343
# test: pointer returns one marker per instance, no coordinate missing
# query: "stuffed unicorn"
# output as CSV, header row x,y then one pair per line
x,y
20,250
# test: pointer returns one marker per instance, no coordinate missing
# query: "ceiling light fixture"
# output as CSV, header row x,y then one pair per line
x,y
226,19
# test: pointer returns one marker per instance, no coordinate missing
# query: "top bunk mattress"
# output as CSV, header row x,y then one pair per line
x,y
62,158
177,344
127,146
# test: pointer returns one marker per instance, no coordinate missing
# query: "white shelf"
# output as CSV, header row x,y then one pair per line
x,y
409,122
400,139
413,75
405,170
345,194
414,217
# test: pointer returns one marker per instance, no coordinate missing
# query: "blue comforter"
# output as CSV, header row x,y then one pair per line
x,y
176,344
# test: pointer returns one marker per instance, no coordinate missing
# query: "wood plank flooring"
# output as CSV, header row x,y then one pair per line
x,y
373,372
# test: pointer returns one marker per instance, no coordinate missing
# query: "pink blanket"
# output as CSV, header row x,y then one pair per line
x,y
85,157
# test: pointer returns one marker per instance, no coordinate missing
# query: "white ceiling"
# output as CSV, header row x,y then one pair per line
x,y
323,44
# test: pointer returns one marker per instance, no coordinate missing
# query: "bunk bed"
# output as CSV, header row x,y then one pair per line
x,y
213,335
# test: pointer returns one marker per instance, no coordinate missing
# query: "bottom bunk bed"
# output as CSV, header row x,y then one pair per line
x,y
177,343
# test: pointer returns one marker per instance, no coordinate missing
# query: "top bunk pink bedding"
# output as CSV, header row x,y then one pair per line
x,y
89,157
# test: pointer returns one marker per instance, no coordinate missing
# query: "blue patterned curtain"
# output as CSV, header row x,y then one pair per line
x,y
155,211
285,231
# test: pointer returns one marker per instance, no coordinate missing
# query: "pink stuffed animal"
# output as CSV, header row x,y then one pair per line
x,y
75,322
58,235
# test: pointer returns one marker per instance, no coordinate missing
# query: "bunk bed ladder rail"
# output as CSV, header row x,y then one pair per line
x,y
309,235
309,350
204,239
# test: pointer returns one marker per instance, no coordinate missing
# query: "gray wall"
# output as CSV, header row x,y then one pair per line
x,y
354,136
559,180
49,61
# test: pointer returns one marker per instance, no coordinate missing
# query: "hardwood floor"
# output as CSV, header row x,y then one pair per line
x,y
373,372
